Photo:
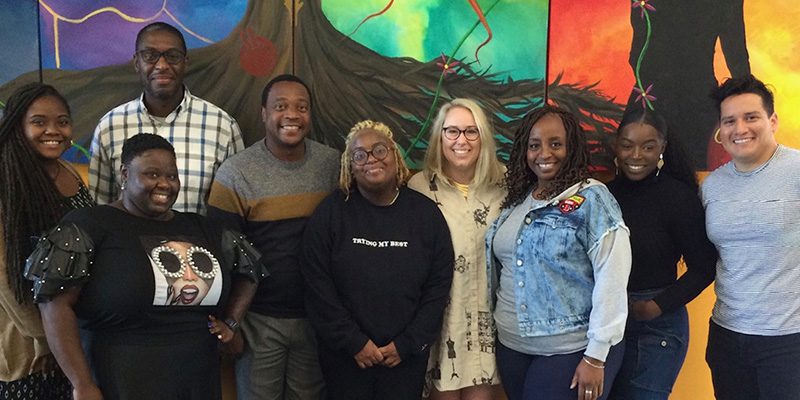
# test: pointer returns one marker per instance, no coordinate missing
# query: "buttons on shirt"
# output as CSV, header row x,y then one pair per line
x,y
663,343
527,220
523,307
521,284
519,263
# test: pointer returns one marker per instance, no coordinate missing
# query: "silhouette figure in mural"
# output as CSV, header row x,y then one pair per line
x,y
679,62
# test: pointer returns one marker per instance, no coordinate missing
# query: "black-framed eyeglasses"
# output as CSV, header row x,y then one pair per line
x,y
172,56
471,133
379,152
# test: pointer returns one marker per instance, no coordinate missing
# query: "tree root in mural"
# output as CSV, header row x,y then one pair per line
x,y
349,83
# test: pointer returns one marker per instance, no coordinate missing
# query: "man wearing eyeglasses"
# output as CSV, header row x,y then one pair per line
x,y
202,133
268,192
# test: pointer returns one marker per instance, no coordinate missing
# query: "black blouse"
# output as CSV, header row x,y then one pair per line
x,y
666,221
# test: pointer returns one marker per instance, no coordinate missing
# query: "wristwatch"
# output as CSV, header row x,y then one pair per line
x,y
232,323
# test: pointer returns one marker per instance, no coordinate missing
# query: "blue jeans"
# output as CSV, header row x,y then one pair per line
x,y
532,377
654,353
753,367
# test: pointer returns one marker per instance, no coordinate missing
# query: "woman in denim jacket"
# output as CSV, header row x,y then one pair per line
x,y
559,258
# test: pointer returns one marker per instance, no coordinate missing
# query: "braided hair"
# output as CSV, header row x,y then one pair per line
x,y
520,180
346,180
29,202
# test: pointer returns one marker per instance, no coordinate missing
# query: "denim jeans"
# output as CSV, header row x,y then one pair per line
x,y
753,367
532,377
654,353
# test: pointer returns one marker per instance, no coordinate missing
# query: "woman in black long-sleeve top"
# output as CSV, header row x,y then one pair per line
x,y
657,192
378,264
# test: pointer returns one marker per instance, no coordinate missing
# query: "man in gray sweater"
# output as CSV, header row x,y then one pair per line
x,y
268,191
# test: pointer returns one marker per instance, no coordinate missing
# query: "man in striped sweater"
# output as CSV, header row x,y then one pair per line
x,y
268,191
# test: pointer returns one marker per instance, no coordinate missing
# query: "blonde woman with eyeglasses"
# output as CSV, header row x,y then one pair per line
x,y
463,176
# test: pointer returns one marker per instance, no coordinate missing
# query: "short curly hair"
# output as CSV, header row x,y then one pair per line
x,y
141,142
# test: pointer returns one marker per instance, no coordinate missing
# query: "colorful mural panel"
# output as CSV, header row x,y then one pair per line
x,y
391,68
691,47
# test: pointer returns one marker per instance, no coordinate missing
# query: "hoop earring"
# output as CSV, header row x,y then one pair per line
x,y
660,163
716,137
616,166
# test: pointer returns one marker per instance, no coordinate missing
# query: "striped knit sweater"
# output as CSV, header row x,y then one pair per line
x,y
753,219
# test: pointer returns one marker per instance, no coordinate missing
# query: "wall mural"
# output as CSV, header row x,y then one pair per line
x,y
667,55
397,61
394,61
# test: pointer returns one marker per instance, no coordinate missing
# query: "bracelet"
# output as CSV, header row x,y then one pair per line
x,y
232,323
586,360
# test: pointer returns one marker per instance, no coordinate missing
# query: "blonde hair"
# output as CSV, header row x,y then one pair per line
x,y
346,181
488,169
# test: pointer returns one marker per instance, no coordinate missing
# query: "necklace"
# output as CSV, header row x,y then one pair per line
x,y
396,195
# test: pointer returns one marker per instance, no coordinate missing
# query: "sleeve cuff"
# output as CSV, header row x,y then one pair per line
x,y
355,345
407,348
598,350
245,259
665,303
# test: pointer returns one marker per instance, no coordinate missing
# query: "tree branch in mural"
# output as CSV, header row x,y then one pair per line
x,y
349,82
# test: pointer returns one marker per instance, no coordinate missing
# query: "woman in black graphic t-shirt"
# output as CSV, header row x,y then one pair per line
x,y
110,271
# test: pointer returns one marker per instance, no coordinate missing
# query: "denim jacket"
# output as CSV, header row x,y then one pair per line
x,y
573,259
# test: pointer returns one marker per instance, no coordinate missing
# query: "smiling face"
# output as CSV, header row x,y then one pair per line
x,y
286,115
746,131
151,184
460,154
638,148
48,127
374,175
547,148
162,81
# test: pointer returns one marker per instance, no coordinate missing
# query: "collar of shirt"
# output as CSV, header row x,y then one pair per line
x,y
171,117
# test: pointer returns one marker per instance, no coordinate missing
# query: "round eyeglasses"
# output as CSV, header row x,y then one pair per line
x,y
172,264
379,152
471,133
172,56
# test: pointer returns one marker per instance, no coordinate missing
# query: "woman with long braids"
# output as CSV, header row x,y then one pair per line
x,y
558,260
37,189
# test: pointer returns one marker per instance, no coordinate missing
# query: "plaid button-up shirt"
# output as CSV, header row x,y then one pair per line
x,y
203,135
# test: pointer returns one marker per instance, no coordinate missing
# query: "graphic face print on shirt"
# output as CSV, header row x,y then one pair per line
x,y
185,272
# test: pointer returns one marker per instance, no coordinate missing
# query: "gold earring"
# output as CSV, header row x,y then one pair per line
x,y
660,163
716,137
